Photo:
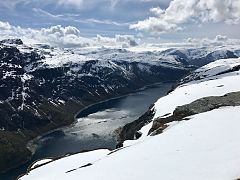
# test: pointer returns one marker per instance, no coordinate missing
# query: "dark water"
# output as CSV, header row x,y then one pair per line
x,y
95,126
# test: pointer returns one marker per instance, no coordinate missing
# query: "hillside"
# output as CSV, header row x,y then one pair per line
x,y
193,135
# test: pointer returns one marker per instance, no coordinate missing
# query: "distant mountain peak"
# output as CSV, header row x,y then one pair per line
x,y
12,41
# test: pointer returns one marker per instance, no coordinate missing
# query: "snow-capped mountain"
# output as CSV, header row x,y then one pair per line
x,y
193,135
42,88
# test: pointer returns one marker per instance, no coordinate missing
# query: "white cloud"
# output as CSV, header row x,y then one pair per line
x,y
69,37
65,37
124,41
5,26
76,3
60,31
75,18
180,12
157,11
219,40
13,3
104,21
10,4
41,12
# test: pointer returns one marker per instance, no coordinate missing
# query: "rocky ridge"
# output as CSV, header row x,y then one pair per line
x,y
202,105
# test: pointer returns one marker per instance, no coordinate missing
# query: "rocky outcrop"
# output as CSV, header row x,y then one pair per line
x,y
130,130
199,106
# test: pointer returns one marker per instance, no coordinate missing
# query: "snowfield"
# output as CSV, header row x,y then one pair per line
x,y
58,168
205,147
210,86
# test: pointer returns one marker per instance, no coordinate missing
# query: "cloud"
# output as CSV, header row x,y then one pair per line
x,y
60,36
5,26
181,12
13,3
68,3
75,18
124,41
128,40
212,43
70,37
105,21
64,37
42,12
219,40
76,3
93,16
60,31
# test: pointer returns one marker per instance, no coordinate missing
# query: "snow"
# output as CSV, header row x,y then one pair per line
x,y
192,91
9,74
40,162
64,58
205,147
210,85
25,77
216,67
58,168
61,101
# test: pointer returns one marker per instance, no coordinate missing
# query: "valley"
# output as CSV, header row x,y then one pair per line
x,y
43,88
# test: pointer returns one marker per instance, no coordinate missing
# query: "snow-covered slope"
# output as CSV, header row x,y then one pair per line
x,y
201,149
211,83
203,146
210,86
213,69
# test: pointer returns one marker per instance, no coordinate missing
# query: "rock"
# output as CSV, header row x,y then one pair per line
x,y
12,41
131,130
119,145
199,106
138,134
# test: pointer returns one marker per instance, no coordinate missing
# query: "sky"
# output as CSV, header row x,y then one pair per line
x,y
128,22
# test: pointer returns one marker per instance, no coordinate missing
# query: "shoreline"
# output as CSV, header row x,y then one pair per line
x,y
32,144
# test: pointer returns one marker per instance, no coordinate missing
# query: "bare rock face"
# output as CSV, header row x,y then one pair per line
x,y
130,130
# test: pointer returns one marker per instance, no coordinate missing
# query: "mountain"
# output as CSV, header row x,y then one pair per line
x,y
193,135
42,88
